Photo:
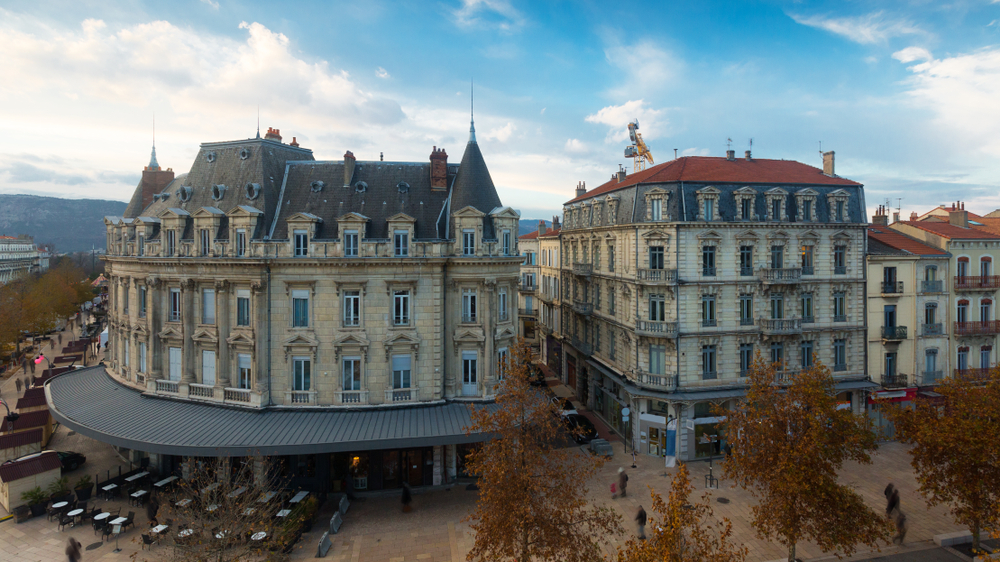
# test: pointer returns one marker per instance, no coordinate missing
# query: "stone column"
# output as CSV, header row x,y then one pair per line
x,y
154,318
438,462
450,457
222,298
187,295
258,321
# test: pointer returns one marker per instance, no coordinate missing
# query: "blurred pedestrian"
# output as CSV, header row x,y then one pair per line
x,y
17,384
73,550
895,513
622,481
407,498
640,521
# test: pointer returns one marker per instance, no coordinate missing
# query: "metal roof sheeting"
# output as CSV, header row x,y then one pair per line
x,y
92,403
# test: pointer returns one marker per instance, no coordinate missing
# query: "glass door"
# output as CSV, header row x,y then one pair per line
x,y
470,379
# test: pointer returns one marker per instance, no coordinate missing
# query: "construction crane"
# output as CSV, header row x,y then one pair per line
x,y
637,151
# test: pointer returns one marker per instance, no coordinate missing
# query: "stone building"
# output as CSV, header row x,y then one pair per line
x,y
18,256
674,278
549,278
527,301
338,314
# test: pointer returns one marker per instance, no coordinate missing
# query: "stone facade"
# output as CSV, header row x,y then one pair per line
x,y
18,256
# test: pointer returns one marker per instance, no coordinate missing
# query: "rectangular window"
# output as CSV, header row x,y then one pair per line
x,y
502,358
777,306
746,358
930,313
470,375
142,357
174,354
401,243
611,300
468,242
839,260
708,261
506,242
301,243
807,210
657,308
611,343
208,367
242,307
984,311
776,209
171,242
746,209
746,310
142,302
962,314
352,308
708,310
529,304
127,360
778,355
205,242
142,245
401,308
930,364
656,212
807,308
351,243
708,359
963,359
300,308
806,350
502,304
401,371
302,373
890,364
840,211
839,307
125,299
241,242
839,355
529,258
468,305
777,257
657,354
656,257
245,378
984,358
351,373
807,260
746,261
175,305
208,306
611,258
709,209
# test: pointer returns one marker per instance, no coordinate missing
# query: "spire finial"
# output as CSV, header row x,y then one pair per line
x,y
472,126
258,121
153,165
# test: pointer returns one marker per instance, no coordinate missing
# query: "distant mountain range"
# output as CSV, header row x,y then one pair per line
x,y
530,225
72,225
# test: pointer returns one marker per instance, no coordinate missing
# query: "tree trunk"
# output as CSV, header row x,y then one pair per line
x,y
791,552
975,538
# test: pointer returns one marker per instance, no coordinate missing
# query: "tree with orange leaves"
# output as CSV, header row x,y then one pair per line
x,y
532,499
681,532
788,441
955,454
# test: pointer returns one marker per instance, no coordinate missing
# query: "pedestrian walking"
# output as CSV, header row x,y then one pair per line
x,y
407,498
895,513
73,550
622,481
32,365
640,521
17,384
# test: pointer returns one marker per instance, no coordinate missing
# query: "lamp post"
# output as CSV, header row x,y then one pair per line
x,y
11,418
626,434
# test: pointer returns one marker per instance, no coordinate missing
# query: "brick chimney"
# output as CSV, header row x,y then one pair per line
x,y
273,134
748,155
880,218
828,163
154,180
958,216
349,161
542,229
439,169
294,143
581,188
913,216
555,223
730,155
621,173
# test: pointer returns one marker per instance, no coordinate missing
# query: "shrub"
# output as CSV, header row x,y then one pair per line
x,y
59,487
34,496
84,482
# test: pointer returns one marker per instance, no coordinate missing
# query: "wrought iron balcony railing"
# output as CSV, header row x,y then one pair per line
x,y
931,286
584,308
781,275
778,326
666,382
977,328
584,269
655,329
972,282
892,287
896,380
893,333
581,346
936,329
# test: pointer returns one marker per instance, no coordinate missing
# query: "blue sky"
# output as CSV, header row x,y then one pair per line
x,y
905,92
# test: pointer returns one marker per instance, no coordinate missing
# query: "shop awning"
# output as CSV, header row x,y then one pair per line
x,y
92,403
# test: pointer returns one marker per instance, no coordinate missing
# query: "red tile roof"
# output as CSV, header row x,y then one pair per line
x,y
721,170
20,439
948,209
903,242
550,232
948,230
30,420
529,236
23,469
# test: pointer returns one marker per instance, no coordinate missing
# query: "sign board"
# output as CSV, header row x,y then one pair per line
x,y
689,424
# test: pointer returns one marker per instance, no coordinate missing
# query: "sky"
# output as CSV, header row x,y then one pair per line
x,y
905,92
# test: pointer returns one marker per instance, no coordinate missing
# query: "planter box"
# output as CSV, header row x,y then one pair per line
x,y
37,509
84,494
22,514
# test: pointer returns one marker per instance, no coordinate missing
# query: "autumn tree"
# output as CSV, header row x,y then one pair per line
x,y
532,499
788,441
955,455
683,532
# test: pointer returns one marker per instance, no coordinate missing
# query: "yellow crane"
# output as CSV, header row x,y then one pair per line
x,y
637,151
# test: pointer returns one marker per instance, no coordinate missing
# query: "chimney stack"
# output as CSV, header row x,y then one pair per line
x,y
349,161
621,173
828,163
880,218
439,169
730,155
294,143
958,216
555,223
913,216
542,228
895,217
581,188
273,134
748,155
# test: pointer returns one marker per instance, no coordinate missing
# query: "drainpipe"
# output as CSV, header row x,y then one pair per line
x,y
267,268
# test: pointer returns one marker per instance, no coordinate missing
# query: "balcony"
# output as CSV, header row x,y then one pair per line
x,y
840,318
533,312
892,288
399,395
300,397
935,286
657,275
780,326
893,333
583,269
663,383
527,288
581,346
545,296
840,270
468,318
808,270
932,329
201,391
988,327
169,387
545,329
655,329
707,271
782,275
239,395
980,374
973,282
786,376
896,380
583,308
351,397
931,377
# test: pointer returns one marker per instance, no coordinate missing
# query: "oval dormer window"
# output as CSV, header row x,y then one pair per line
x,y
360,187
244,153
316,186
184,193
252,190
403,187
218,192
210,157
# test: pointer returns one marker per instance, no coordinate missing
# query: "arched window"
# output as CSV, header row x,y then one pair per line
x,y
984,266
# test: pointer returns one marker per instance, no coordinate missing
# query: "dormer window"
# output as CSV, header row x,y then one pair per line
x,y
206,241
746,209
301,240
612,210
401,243
776,205
806,200
746,199
351,243
709,210
775,209
171,242
838,205
708,204
141,245
656,202
241,242
468,242
657,210
506,242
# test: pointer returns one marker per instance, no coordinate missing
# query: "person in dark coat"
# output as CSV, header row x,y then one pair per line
x,y
640,521
17,383
893,511
407,498
73,550
622,481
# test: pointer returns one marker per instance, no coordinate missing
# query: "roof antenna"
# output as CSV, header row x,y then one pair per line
x,y
258,121
472,126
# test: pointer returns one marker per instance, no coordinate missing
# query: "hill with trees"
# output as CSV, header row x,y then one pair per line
x,y
72,225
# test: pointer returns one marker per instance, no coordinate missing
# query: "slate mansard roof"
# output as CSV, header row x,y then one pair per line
x,y
281,180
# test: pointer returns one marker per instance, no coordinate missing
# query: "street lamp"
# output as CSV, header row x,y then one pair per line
x,y
11,418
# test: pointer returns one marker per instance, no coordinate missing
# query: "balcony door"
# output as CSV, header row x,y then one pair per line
x,y
208,368
890,316
470,378
889,279
175,363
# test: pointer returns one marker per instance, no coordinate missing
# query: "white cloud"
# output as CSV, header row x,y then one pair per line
x,y
911,54
648,68
869,29
695,152
652,122
871,59
543,111
381,72
211,3
575,146
489,13
501,133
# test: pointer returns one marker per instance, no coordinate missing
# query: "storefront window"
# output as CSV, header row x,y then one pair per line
x,y
659,407
657,441
390,469
359,471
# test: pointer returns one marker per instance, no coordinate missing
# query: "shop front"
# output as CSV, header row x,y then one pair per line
x,y
382,470
879,401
